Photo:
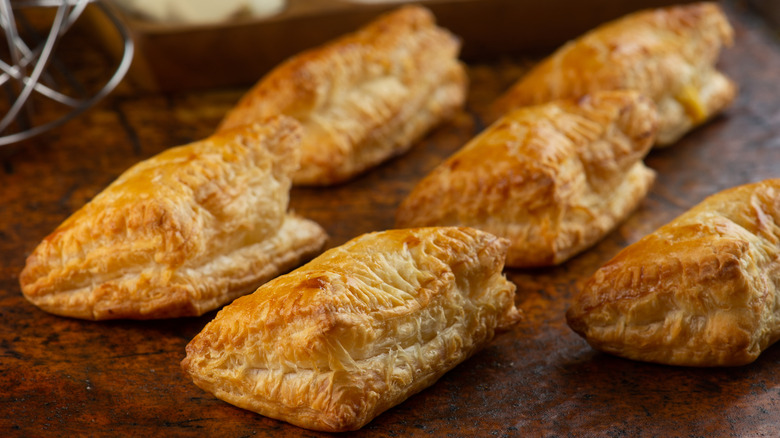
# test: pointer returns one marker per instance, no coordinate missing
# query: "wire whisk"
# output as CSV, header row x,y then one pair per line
x,y
27,72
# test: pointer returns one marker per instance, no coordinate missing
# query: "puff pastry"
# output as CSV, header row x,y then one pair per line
x,y
552,178
365,97
179,234
358,329
703,290
667,54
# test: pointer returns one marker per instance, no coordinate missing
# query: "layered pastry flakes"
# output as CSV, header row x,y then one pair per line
x,y
359,329
553,178
703,290
365,97
181,233
667,54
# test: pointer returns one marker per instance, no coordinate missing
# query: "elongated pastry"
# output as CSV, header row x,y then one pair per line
x,y
179,234
358,329
703,290
553,179
667,54
365,97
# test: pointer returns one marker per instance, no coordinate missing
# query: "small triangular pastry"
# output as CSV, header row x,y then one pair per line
x,y
703,290
362,98
359,329
667,54
553,179
180,233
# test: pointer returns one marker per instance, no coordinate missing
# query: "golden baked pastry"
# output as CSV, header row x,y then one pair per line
x,y
667,54
358,329
362,98
179,234
553,178
703,290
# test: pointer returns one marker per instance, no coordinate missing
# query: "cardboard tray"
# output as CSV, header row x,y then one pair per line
x,y
171,57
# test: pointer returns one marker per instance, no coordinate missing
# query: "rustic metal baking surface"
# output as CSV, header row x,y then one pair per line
x,y
65,377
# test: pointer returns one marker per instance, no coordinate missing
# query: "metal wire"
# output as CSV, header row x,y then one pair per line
x,y
28,80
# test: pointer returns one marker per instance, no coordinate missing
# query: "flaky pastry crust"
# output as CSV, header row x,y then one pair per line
x,y
703,290
365,97
668,54
357,330
179,234
553,178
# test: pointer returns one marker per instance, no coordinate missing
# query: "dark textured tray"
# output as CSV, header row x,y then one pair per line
x,y
64,377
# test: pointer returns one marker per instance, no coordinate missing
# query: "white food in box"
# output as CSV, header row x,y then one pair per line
x,y
199,11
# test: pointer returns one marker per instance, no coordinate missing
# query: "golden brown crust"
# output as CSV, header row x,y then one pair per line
x,y
553,178
365,97
703,290
358,329
179,234
667,54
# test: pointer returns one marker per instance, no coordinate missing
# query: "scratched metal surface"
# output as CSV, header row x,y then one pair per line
x,y
65,377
